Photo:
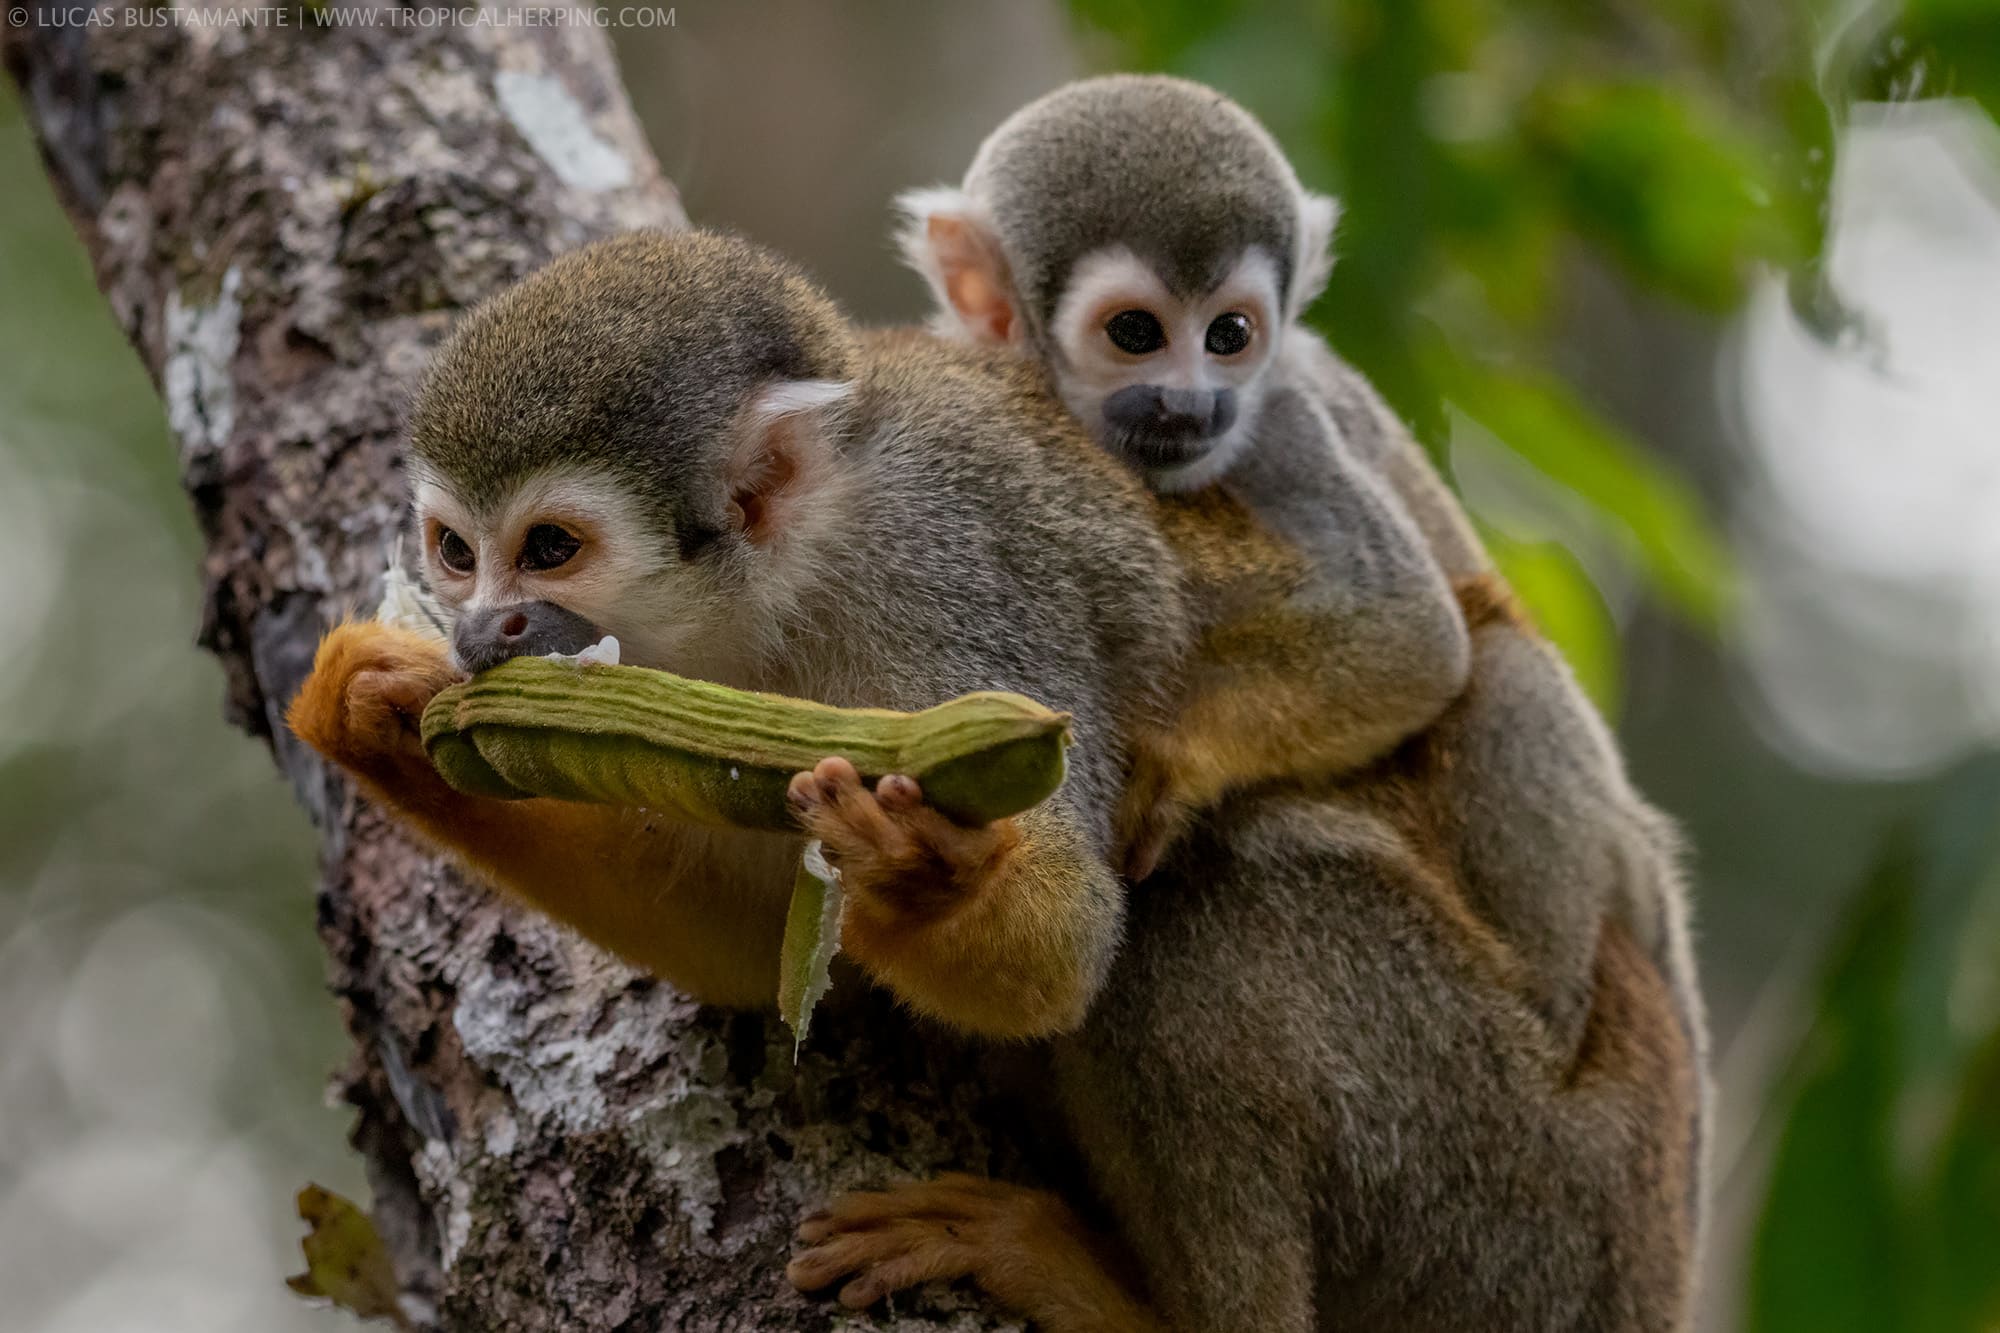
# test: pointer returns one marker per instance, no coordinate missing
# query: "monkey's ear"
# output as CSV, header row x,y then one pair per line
x,y
1319,214
780,456
948,237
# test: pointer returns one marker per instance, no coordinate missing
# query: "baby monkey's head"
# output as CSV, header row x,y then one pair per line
x,y
1144,237
631,441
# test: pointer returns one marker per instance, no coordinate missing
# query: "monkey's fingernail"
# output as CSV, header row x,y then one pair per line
x,y
801,790
836,770
898,792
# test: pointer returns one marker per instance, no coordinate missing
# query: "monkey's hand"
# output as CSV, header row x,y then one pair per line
x,y
674,905
908,860
1026,1248
1004,930
1155,809
363,704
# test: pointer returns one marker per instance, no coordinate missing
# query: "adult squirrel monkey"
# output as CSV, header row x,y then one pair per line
x,y
676,440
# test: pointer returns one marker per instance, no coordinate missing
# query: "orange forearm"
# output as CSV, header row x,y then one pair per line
x,y
701,909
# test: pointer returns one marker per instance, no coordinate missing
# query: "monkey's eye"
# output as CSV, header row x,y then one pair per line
x,y
1228,334
1136,332
454,551
548,546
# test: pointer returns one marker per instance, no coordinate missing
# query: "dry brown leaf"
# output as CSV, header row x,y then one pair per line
x,y
346,1262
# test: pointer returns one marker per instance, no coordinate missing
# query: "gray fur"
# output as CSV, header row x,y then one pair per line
x,y
604,377
1374,622
1553,838
1184,196
1313,1109
1565,814
1188,180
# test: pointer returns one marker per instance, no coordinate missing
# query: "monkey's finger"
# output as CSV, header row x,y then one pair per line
x,y
936,1259
843,1216
850,1252
953,843
812,1230
849,820
810,1270
899,793
837,778
385,708
402,692
866,1210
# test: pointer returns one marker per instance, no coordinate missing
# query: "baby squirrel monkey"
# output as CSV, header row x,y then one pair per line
x,y
1298,1066
1145,241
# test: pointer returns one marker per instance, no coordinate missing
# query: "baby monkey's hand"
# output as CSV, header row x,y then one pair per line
x,y
903,856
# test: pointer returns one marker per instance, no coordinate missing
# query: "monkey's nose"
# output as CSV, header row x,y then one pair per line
x,y
1171,413
486,638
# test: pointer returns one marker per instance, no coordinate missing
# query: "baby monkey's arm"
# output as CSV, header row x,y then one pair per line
x,y
1330,634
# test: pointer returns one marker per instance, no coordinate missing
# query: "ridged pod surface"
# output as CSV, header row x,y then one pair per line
x,y
711,754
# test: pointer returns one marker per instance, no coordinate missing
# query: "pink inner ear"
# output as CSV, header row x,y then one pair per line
x,y
761,481
976,281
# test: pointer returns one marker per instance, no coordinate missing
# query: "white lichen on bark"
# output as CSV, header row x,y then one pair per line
x,y
196,380
557,128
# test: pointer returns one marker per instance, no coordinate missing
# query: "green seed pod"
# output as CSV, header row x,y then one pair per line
x,y
709,754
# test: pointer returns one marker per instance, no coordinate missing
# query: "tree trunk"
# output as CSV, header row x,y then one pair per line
x,y
284,222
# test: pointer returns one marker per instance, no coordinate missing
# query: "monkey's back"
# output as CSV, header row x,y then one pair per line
x,y
1313,1097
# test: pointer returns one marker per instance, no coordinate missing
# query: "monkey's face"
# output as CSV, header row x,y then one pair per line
x,y
565,559
640,439
1170,383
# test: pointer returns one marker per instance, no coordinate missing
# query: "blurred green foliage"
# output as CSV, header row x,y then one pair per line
x,y
1483,148
1884,1203
1487,153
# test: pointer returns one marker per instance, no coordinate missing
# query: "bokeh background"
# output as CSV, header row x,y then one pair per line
x,y
1694,300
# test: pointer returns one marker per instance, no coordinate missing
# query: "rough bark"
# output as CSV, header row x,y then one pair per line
x,y
284,220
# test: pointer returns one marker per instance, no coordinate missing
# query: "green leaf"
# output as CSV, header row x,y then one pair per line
x,y
1380,62
1830,1252
1567,607
346,1262
1156,33
1962,1260
1669,186
1937,48
812,938
1655,512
